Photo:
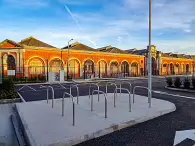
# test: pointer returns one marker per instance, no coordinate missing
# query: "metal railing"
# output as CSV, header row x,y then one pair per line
x,y
26,86
98,88
73,107
75,85
105,101
149,92
111,84
48,93
124,89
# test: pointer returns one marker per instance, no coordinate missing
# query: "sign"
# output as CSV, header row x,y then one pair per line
x,y
11,73
185,136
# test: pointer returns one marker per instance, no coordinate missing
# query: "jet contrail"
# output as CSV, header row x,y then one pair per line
x,y
68,10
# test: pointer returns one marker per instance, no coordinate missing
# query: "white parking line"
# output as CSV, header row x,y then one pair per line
x,y
165,93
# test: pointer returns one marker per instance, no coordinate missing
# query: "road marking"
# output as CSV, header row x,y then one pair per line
x,y
160,92
21,97
182,135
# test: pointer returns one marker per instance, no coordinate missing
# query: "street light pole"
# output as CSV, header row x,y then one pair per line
x,y
68,59
61,60
149,54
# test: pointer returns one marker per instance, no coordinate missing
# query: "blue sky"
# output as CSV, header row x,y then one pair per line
x,y
120,23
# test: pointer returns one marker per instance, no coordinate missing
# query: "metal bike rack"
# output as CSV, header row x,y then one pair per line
x,y
105,101
73,107
48,93
125,82
98,88
26,86
149,100
77,91
111,84
124,89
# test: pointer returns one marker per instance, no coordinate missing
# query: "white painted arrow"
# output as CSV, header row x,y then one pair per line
x,y
182,135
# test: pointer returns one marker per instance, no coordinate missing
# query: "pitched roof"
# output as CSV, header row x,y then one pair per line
x,y
31,41
112,50
10,42
137,52
80,46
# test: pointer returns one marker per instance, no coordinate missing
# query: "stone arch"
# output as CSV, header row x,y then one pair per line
x,y
187,68
171,68
125,68
88,68
55,65
11,62
114,68
113,61
36,57
134,68
102,60
36,66
102,68
74,68
177,68
165,68
56,58
87,60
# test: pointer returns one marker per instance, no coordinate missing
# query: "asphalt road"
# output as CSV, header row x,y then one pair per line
x,y
157,132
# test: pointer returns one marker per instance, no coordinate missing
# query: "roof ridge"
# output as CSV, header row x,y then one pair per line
x,y
27,38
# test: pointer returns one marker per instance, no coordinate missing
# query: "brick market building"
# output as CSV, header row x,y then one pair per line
x,y
32,57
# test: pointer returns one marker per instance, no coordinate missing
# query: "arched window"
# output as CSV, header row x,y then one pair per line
x,y
36,66
114,68
125,68
55,65
134,69
74,68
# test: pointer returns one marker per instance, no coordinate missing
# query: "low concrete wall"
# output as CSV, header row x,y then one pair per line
x,y
6,101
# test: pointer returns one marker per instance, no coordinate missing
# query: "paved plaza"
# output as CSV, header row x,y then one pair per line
x,y
161,131
47,126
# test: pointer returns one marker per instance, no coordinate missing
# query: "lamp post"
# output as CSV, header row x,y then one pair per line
x,y
61,60
68,58
149,54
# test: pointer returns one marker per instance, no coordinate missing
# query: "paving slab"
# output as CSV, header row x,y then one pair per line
x,y
45,125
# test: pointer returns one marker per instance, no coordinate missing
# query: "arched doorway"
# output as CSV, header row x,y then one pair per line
x,y
134,69
74,68
177,69
102,68
114,69
36,66
154,66
164,69
171,69
125,68
187,68
11,62
55,65
88,69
